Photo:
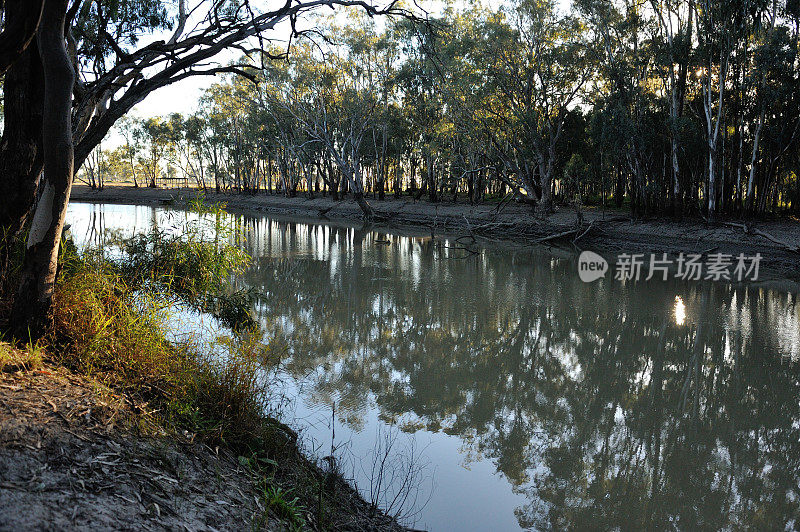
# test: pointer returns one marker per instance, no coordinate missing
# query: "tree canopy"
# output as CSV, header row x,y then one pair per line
x,y
669,107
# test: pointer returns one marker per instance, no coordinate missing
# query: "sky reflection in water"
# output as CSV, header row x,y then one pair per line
x,y
537,400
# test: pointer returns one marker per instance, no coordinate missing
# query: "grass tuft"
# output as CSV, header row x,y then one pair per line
x,y
281,503
111,320
13,359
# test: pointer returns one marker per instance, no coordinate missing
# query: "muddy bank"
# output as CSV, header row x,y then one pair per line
x,y
608,233
75,456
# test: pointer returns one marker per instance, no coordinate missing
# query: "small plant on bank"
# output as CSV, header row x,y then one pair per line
x,y
286,507
191,262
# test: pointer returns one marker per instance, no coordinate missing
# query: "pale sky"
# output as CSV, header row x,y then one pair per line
x,y
182,97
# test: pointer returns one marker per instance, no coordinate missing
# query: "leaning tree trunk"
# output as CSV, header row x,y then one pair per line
x,y
35,293
354,177
20,146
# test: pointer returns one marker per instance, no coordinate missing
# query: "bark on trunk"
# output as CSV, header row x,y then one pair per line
x,y
22,21
753,163
545,205
33,298
20,148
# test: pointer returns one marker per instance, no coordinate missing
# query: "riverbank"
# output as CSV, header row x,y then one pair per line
x,y
109,421
76,455
608,233
71,457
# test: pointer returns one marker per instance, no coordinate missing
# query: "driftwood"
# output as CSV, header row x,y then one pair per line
x,y
589,228
503,202
580,232
556,236
491,226
748,230
787,245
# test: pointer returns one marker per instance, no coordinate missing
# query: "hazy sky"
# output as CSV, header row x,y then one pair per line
x,y
182,97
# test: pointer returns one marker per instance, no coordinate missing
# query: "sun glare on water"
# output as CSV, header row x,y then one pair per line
x,y
680,311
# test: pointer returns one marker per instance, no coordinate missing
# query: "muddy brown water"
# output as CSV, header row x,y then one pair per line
x,y
513,395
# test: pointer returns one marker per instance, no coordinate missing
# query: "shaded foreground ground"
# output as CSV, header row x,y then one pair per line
x,y
67,461
76,456
610,233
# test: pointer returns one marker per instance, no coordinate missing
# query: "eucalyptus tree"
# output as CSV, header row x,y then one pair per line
x,y
328,97
184,153
87,66
94,169
715,41
210,139
118,164
536,62
127,127
375,58
155,135
463,134
193,150
674,43
774,79
420,79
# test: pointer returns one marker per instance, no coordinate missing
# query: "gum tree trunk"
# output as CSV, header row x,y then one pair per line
x,y
33,298
20,146
19,30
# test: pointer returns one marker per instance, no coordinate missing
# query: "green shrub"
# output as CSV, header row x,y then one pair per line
x,y
112,318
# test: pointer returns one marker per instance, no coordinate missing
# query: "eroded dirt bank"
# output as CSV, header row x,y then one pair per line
x,y
610,233
75,456
67,462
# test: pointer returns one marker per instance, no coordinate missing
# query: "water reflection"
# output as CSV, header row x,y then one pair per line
x,y
652,405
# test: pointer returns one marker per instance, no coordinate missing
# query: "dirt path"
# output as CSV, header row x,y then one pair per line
x,y
608,233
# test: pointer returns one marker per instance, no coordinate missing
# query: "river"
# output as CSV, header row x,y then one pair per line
x,y
512,394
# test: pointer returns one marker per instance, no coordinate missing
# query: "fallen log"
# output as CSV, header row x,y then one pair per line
x,y
787,245
556,236
748,230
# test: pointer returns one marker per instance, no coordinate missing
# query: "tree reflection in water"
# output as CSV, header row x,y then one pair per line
x,y
606,405
589,398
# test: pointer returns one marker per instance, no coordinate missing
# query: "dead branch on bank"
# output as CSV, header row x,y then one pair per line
x,y
588,228
752,230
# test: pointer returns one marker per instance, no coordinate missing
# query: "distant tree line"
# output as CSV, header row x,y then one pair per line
x,y
668,106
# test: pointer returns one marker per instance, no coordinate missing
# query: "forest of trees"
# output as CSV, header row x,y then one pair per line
x,y
665,106
670,106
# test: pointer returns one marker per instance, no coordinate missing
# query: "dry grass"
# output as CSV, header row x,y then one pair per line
x,y
13,359
104,329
